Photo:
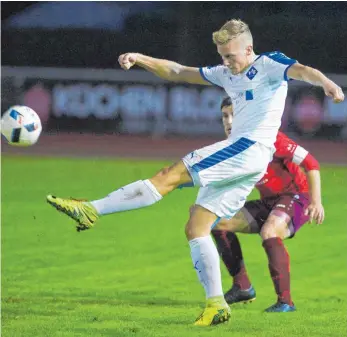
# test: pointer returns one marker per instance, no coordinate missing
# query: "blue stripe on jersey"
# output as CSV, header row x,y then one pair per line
x,y
285,73
230,151
216,222
280,57
191,184
205,78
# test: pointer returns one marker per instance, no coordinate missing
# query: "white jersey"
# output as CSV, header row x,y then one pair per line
x,y
258,95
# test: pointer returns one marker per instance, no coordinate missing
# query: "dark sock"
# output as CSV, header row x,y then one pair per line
x,y
279,268
229,249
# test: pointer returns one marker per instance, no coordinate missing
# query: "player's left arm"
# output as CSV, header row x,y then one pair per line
x,y
313,76
311,166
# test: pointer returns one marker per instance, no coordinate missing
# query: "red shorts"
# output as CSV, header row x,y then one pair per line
x,y
257,211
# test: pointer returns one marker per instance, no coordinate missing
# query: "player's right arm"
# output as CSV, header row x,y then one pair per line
x,y
165,69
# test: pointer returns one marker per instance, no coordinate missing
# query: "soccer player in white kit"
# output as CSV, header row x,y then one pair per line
x,y
226,171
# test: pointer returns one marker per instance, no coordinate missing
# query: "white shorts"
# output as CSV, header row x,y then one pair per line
x,y
227,172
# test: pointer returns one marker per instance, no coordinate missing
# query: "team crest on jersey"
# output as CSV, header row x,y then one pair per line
x,y
291,147
251,73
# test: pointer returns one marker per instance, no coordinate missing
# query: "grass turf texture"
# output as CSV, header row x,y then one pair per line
x,y
132,274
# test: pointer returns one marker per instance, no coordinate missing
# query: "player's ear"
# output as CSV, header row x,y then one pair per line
x,y
249,50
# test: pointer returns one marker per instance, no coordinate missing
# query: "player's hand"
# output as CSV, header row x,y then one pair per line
x,y
126,61
316,212
334,91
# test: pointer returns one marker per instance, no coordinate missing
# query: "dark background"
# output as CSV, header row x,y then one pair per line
x,y
315,33
93,34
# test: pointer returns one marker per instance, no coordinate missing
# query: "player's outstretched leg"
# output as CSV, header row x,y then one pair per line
x,y
139,194
206,263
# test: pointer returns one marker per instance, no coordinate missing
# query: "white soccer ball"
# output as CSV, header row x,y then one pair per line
x,y
21,126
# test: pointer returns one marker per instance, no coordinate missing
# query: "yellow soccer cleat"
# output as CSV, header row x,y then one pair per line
x,y
213,316
82,212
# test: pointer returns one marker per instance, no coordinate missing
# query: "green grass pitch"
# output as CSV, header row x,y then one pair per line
x,y
132,274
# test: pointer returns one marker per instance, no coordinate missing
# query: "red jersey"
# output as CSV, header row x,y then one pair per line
x,y
284,173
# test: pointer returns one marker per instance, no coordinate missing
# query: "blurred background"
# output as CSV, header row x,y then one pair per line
x,y
60,58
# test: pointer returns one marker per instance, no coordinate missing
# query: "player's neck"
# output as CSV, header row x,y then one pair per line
x,y
251,59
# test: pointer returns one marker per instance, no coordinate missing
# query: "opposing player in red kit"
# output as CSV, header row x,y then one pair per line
x,y
288,199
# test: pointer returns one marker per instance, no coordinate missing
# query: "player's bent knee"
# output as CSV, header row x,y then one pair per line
x,y
188,231
193,231
191,209
237,224
267,233
273,229
226,225
199,223
189,228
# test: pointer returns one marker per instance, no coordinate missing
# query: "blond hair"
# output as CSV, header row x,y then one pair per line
x,y
231,30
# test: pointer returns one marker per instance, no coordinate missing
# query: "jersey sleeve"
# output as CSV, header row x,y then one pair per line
x,y
213,74
288,149
310,163
277,65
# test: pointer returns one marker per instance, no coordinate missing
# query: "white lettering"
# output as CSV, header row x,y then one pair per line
x,y
143,108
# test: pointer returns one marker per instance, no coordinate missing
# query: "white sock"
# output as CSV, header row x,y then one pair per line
x,y
139,194
206,263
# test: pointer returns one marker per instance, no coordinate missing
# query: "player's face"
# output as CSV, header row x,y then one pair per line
x,y
227,117
235,55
